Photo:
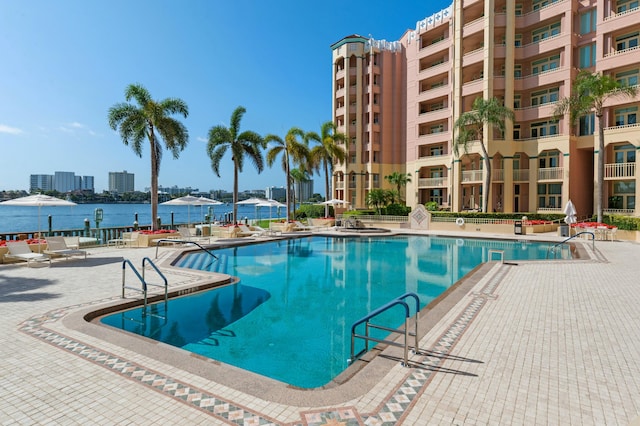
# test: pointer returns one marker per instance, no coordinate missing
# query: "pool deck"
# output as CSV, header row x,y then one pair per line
x,y
545,342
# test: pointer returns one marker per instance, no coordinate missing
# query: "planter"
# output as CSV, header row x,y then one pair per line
x,y
146,240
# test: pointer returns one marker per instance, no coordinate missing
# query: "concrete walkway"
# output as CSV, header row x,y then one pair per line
x,y
548,342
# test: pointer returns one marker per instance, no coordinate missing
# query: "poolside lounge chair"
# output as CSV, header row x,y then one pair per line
x,y
246,231
187,235
299,226
57,246
19,250
128,239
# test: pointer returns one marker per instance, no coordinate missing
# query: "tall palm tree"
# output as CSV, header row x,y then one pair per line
x,y
377,198
470,127
590,91
293,148
327,153
151,120
298,176
247,143
399,180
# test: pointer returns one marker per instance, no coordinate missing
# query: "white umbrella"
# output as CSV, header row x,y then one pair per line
x,y
334,201
270,203
570,212
38,200
190,200
209,202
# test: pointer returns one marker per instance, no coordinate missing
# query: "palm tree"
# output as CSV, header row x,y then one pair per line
x,y
327,153
248,143
470,127
151,120
298,176
399,180
590,92
293,148
377,198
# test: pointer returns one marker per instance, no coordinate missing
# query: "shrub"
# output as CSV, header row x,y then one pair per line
x,y
432,206
397,210
311,210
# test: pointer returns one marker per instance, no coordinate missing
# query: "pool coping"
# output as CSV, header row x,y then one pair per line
x,y
355,381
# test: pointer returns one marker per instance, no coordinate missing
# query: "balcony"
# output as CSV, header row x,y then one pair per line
x,y
533,81
473,27
431,49
549,11
472,176
339,185
618,21
435,70
534,112
471,87
473,57
619,171
616,58
437,182
548,44
497,175
433,116
521,175
435,92
551,173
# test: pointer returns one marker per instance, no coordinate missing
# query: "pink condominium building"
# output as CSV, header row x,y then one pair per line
x,y
398,102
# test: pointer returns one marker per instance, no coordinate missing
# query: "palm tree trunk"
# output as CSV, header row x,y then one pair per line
x,y
154,181
487,178
600,170
326,188
235,192
288,186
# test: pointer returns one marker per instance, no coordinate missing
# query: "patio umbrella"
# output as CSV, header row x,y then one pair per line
x,y
570,212
251,201
190,200
38,200
209,202
270,203
332,202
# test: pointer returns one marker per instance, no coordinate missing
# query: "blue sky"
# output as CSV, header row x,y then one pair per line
x,y
65,62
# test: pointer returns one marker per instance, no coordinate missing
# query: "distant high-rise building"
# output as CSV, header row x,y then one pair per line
x,y
87,183
41,183
64,181
276,193
304,190
121,182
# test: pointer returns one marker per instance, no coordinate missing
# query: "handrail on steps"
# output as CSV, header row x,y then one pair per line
x,y
143,281
405,331
553,247
170,240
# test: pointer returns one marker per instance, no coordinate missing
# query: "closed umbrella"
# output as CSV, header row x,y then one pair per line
x,y
38,200
570,212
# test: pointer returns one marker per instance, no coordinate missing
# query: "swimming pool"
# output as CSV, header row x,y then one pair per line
x,y
289,317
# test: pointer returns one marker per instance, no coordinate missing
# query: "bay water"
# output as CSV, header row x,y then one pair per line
x,y
29,219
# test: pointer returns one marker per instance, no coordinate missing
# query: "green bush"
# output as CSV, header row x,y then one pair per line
x,y
359,213
311,210
397,210
432,206
626,223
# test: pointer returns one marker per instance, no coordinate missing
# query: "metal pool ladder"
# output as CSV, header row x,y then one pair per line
x,y
403,331
143,282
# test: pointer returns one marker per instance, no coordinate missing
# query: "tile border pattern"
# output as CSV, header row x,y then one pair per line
x,y
394,408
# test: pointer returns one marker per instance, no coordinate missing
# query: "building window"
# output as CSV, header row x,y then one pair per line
x,y
436,195
516,132
587,56
435,151
539,4
624,195
546,64
627,78
544,128
352,159
545,96
518,9
549,159
545,32
626,5
627,41
438,128
626,116
587,124
518,40
549,195
517,71
624,153
376,118
588,22
517,101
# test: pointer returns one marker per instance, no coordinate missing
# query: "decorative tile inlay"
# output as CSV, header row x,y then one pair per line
x,y
391,411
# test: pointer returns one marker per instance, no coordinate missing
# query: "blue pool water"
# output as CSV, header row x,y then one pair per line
x,y
290,315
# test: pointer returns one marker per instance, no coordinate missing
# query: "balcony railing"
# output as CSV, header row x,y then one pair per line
x,y
619,170
552,173
497,175
437,182
472,176
623,212
340,185
521,175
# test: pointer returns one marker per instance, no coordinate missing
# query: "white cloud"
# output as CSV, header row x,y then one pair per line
x,y
11,130
77,125
201,139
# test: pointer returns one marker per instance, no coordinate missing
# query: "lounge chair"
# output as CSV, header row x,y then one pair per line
x,y
128,238
246,231
187,235
299,226
57,246
19,250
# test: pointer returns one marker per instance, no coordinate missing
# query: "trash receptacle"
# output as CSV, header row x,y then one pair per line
x,y
564,230
517,227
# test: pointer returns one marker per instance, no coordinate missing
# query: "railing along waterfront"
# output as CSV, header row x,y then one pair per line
x,y
101,235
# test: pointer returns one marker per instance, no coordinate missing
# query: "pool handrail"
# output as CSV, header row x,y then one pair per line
x,y
171,240
126,262
553,247
166,282
405,331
